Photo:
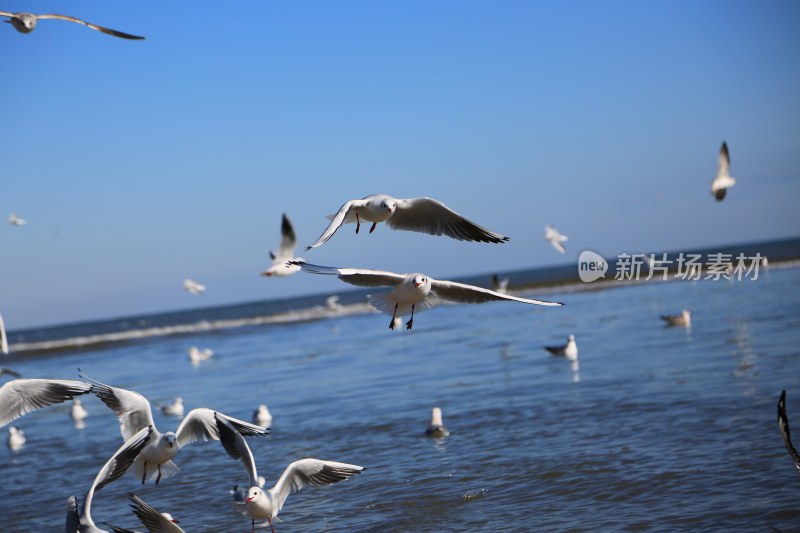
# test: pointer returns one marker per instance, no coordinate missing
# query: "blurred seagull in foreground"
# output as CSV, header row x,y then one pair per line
x,y
723,179
413,292
154,521
114,468
173,409
783,426
499,285
26,23
684,319
551,234
3,338
192,287
424,215
21,396
263,504
262,416
197,356
285,253
436,427
569,350
15,220
133,411
16,438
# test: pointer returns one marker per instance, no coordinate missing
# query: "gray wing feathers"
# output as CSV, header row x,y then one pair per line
x,y
200,424
724,168
151,518
132,409
427,215
460,292
236,447
783,426
73,520
21,396
354,276
311,472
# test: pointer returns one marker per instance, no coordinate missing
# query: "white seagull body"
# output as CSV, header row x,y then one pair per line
x,y
280,266
15,220
133,411
783,426
555,238
569,350
263,504
3,337
414,292
26,23
173,409
262,416
424,215
684,319
197,356
16,438
723,180
436,427
192,287
122,459
21,396
77,412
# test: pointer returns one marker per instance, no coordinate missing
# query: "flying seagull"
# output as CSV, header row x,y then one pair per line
x,y
192,287
133,411
16,220
26,23
783,425
285,252
436,427
424,215
413,292
21,396
569,350
122,459
723,179
551,234
259,503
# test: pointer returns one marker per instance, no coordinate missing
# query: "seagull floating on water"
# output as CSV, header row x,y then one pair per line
x,y
684,319
197,356
424,215
15,220
436,427
280,266
16,438
173,409
783,426
263,504
21,396
192,287
723,180
26,23
114,468
262,416
551,234
569,350
413,292
154,521
77,412
133,411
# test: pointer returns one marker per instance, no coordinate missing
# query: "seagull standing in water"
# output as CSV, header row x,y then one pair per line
x,y
16,438
414,292
436,427
26,23
263,504
197,356
262,416
552,235
424,215
117,465
783,426
133,411
280,266
569,350
173,409
723,180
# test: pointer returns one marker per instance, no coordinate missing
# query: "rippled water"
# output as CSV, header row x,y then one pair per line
x,y
658,429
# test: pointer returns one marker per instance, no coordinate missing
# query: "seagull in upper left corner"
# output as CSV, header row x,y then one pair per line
x,y
26,23
413,292
424,215
723,179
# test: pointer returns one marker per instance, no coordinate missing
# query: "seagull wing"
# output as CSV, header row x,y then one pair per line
x,y
21,396
337,220
311,472
152,519
109,31
427,215
558,246
132,409
288,241
783,425
463,293
200,424
73,519
724,168
116,466
355,276
236,446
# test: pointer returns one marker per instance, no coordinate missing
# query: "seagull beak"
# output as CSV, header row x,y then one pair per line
x,y
170,444
248,500
417,284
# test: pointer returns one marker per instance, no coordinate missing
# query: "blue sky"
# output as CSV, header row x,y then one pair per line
x,y
138,164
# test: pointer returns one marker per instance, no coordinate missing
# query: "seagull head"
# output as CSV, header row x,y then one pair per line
x,y
571,338
169,438
420,281
389,205
252,494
